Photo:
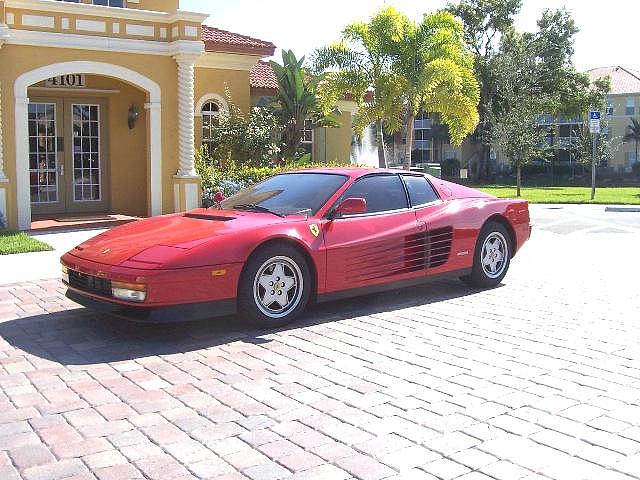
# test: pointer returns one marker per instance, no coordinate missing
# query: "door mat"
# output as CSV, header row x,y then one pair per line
x,y
91,218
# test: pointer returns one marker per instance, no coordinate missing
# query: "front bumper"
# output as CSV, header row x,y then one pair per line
x,y
163,287
165,314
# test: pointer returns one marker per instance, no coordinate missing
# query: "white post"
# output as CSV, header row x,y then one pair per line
x,y
3,177
23,196
186,130
155,153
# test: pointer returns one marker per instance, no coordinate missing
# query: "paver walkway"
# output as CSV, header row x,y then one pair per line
x,y
539,378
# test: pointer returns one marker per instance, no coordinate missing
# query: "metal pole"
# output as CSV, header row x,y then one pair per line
x,y
593,169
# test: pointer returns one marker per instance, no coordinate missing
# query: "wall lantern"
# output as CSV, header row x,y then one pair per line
x,y
132,117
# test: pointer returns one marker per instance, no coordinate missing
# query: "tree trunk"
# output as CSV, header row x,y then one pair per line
x,y
382,161
482,162
487,165
518,180
411,120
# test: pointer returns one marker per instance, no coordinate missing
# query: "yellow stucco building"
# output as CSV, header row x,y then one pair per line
x,y
103,103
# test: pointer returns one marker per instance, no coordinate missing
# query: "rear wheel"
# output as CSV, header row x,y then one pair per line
x,y
275,286
491,258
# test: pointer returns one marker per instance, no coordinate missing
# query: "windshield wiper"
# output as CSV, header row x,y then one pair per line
x,y
256,208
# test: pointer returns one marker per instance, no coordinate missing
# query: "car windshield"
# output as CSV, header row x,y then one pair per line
x,y
287,194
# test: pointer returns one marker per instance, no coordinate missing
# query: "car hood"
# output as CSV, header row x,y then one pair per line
x,y
160,240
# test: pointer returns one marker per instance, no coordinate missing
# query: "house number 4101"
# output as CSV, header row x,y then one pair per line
x,y
74,80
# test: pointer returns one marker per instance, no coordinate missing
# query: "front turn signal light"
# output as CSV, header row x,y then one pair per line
x,y
130,292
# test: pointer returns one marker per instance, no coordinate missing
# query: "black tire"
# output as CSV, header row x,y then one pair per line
x,y
499,241
263,267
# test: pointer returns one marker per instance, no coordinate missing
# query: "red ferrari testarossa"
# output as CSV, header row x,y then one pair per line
x,y
319,234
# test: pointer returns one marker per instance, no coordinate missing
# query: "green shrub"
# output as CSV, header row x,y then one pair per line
x,y
451,167
234,176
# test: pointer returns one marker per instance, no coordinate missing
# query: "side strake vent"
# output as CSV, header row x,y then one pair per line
x,y
439,246
201,216
428,250
399,255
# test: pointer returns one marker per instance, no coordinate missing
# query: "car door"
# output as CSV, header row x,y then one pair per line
x,y
445,239
371,248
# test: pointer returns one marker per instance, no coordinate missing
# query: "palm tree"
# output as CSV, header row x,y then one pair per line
x,y
359,67
437,75
633,135
296,101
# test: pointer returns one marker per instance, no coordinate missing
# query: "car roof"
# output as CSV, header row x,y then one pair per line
x,y
353,172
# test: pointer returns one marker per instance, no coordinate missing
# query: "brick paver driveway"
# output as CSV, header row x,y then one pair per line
x,y
537,378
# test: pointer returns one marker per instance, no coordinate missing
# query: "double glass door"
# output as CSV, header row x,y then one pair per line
x,y
67,155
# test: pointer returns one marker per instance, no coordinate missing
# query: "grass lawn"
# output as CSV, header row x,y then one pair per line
x,y
20,242
604,195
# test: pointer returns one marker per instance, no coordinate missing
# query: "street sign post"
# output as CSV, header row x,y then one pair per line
x,y
594,122
594,128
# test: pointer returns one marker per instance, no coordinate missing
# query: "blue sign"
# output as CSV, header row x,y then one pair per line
x,y
594,115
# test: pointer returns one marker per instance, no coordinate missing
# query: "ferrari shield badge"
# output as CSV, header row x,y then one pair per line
x,y
315,230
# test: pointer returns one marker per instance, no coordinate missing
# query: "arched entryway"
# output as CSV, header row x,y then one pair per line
x,y
154,140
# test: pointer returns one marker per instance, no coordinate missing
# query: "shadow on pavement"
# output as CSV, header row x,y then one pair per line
x,y
84,337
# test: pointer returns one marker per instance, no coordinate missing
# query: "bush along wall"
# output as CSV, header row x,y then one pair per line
x,y
234,176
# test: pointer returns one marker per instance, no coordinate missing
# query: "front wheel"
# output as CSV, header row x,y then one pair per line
x,y
491,258
275,286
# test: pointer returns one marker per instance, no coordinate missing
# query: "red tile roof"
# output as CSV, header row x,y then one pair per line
x,y
262,76
217,40
623,80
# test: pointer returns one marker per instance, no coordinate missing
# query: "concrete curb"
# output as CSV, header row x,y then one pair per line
x,y
622,209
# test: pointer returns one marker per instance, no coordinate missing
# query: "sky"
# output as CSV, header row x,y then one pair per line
x,y
606,37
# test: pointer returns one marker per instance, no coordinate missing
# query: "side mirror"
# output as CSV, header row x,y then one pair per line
x,y
351,206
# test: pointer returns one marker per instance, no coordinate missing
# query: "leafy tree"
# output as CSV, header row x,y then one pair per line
x,y
436,75
485,22
249,139
550,73
296,101
606,146
633,135
516,130
359,67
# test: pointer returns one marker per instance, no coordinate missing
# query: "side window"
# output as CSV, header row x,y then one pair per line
x,y
420,190
210,119
382,193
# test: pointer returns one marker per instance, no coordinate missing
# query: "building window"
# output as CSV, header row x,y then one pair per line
x,y
451,155
545,119
210,121
609,107
631,106
307,137
423,121
423,149
107,3
629,159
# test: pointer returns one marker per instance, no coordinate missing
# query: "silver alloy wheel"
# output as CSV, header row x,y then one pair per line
x,y
278,287
494,254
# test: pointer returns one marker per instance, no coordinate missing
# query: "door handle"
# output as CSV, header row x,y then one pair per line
x,y
61,169
422,226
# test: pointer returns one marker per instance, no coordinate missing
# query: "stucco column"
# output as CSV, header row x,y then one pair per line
x,y
186,130
186,183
